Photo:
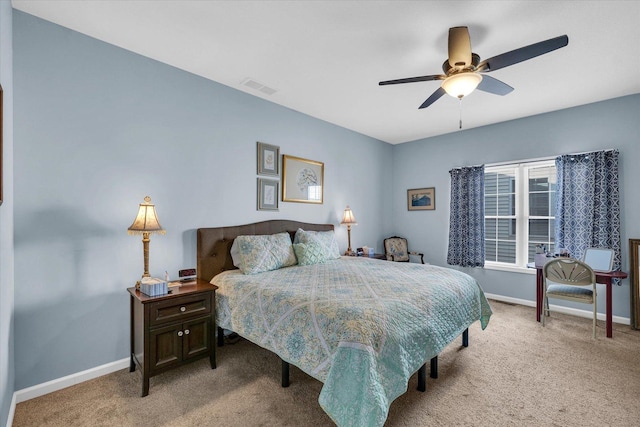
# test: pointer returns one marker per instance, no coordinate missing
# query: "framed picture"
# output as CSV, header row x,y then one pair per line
x,y
421,199
268,159
302,180
268,194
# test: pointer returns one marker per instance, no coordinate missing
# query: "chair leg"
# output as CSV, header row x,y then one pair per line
x,y
545,302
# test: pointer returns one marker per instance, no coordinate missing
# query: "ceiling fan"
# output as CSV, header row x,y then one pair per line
x,y
463,71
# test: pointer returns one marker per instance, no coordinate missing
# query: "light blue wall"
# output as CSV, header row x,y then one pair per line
x,y
6,216
97,129
426,163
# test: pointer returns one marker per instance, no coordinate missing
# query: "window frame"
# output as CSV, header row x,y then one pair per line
x,y
522,194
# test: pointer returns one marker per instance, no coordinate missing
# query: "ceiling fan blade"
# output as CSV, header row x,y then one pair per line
x,y
414,79
433,98
522,54
495,86
459,47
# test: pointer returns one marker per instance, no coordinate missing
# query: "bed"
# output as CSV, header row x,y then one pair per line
x,y
361,326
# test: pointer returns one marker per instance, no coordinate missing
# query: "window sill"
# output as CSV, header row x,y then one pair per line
x,y
507,267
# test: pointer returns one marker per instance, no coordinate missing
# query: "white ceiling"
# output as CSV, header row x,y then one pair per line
x,y
325,58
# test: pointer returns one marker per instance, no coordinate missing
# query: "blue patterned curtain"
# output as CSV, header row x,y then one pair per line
x,y
466,218
588,203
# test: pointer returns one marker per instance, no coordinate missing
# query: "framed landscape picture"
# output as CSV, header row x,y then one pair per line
x,y
421,199
302,180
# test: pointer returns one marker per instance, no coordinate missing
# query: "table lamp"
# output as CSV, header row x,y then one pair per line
x,y
348,219
146,223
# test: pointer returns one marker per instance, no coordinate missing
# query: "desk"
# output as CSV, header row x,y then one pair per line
x,y
602,278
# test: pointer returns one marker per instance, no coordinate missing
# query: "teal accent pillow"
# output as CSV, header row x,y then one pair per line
x,y
309,253
264,253
326,239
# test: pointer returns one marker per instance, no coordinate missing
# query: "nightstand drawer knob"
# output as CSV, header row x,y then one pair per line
x,y
183,309
180,333
186,332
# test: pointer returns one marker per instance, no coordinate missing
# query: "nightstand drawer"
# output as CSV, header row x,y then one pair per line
x,y
179,309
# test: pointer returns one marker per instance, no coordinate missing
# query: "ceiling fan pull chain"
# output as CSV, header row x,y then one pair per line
x,y
460,113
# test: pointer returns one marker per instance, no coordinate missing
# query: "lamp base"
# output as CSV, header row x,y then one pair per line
x,y
349,251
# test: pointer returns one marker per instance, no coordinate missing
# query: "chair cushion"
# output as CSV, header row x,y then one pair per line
x,y
574,292
396,249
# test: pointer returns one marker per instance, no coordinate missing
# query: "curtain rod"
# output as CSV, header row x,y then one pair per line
x,y
541,159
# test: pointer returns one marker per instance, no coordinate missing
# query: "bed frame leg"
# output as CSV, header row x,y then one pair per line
x,y
285,374
465,338
434,367
422,378
220,336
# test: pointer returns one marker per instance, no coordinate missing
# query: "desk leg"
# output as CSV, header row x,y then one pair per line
x,y
609,310
539,292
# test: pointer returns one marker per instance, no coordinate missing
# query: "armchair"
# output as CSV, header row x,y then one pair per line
x,y
396,249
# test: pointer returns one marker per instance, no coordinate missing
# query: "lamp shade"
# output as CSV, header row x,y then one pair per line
x,y
462,84
147,220
348,218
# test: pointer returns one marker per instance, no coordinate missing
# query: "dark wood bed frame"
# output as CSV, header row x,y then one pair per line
x,y
214,256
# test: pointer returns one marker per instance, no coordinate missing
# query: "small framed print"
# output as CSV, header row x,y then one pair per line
x,y
421,199
302,180
268,194
268,159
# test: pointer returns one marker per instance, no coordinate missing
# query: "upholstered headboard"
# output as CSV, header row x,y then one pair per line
x,y
214,244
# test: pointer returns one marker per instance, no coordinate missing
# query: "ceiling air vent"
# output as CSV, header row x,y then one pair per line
x,y
256,85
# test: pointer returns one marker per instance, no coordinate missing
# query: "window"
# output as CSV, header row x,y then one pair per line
x,y
519,203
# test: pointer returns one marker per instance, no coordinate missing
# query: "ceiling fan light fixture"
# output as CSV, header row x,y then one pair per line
x,y
461,84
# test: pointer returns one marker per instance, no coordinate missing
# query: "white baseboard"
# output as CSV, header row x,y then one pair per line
x,y
12,411
64,382
560,309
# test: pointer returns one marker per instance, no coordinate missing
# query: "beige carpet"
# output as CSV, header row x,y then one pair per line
x,y
514,373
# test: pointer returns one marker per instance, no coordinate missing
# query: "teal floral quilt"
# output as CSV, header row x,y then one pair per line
x,y
361,326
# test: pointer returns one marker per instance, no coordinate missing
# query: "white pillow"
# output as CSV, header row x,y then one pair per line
x,y
235,253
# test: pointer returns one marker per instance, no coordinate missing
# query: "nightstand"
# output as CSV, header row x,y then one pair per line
x,y
170,330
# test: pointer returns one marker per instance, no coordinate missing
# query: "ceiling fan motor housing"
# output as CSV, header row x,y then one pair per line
x,y
448,69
